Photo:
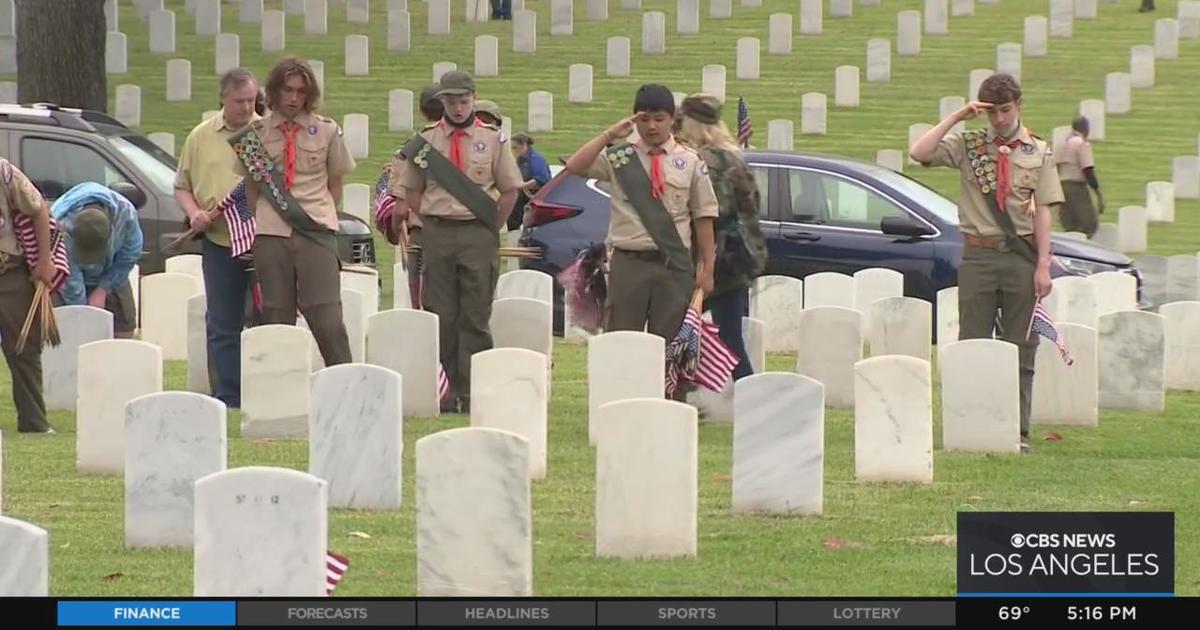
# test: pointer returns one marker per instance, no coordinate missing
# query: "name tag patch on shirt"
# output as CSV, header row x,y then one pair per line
x,y
679,163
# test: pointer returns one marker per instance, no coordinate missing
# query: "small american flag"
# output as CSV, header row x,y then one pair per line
x,y
385,205
698,355
1043,324
235,207
335,569
745,130
443,383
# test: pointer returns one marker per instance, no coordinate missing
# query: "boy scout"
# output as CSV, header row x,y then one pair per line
x,y
1009,184
18,196
296,159
661,198
1077,171
432,110
462,179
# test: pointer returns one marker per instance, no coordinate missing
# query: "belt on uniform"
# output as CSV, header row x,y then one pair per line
x,y
448,220
991,242
643,254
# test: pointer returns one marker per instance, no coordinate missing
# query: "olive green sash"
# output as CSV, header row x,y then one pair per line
x,y
654,215
422,155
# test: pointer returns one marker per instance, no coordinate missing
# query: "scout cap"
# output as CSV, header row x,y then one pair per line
x,y
704,108
456,82
91,232
488,108
429,94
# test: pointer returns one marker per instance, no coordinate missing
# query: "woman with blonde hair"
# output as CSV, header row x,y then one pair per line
x,y
741,250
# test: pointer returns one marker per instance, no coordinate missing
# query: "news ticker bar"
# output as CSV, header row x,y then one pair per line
x,y
964,612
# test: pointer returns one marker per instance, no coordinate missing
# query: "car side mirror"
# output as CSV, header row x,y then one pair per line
x,y
130,192
902,226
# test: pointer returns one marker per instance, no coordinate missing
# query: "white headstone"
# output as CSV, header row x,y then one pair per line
x,y
112,16
712,80
400,110
316,17
1062,16
1141,66
1115,291
747,58
1008,59
1166,38
260,532
358,11
164,299
276,364
1093,110
780,135
251,12
523,323
208,17
654,35
171,439
272,30
401,294
828,289
893,420
524,31
115,53
915,131
1117,95
1154,271
1183,278
975,79
936,17
197,345
777,301
948,105
810,17
293,7
947,316
579,88
720,8
406,341
1067,394
358,60
890,158
687,17
1132,361
1181,327
779,34
980,396
832,342
879,60
813,114
617,57
1037,29
399,31
752,333
623,365
356,433
228,55
597,10
872,284
1189,19
960,8
509,392
900,325
841,8
1185,176
111,373
354,316
1160,202
179,80
1131,226
525,283
162,31
442,67
908,33
487,56
77,325
779,444
474,514
8,92
25,548
439,17
541,111
646,496
357,128
1085,9
364,280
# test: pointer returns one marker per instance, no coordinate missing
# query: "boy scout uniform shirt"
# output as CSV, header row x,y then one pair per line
x,y
1033,173
395,186
19,195
688,195
321,153
487,161
1076,155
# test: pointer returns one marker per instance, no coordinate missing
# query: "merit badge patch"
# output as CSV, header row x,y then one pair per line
x,y
480,147
679,163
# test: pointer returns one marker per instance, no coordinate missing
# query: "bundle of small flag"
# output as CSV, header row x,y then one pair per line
x,y
385,205
335,569
27,242
697,354
1043,324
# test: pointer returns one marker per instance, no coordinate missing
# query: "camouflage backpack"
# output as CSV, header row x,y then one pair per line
x,y
741,249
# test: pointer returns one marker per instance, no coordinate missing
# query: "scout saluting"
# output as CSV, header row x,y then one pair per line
x,y
293,162
462,179
1009,183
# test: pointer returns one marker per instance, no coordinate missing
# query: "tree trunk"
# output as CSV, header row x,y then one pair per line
x,y
60,53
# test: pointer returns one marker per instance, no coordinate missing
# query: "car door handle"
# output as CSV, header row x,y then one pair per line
x,y
801,236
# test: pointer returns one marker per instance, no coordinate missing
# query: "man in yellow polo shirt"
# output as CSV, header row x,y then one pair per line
x,y
205,176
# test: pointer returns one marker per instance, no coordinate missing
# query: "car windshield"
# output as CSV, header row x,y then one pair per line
x,y
155,164
927,197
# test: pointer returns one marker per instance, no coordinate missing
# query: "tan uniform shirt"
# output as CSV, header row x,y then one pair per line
x,y
487,161
395,186
1076,155
204,170
17,194
1033,173
321,153
689,195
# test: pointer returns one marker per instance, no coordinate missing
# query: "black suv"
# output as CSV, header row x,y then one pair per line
x,y
59,147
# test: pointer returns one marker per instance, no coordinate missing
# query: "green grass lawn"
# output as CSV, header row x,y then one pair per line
x,y
873,539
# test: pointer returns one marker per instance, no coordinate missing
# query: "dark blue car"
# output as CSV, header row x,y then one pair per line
x,y
818,213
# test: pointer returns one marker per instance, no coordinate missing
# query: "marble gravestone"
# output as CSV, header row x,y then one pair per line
x,y
1037,30
893,420
828,288
980,396
623,365
171,440
260,532
111,374
1181,331
77,325
646,479
947,316
1183,278
1115,291
508,392
900,325
525,283
197,345
25,548
1073,300
875,283
779,444
163,298
1132,361
474,514
406,341
276,363
777,301
832,339
879,60
1062,393
356,435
